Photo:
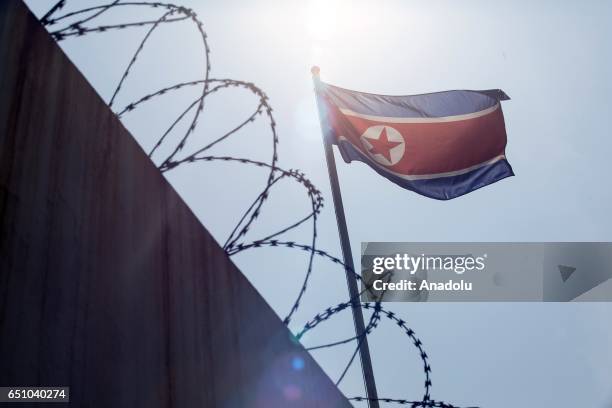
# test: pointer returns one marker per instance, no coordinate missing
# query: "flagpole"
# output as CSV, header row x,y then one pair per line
x,y
364,350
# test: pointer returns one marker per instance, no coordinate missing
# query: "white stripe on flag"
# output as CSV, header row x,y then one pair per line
x,y
454,118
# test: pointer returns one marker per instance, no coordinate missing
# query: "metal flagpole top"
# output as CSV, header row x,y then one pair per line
x,y
315,71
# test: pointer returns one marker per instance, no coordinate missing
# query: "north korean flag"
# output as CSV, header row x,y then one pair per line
x,y
441,145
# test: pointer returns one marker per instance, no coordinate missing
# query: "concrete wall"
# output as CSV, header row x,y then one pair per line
x,y
108,282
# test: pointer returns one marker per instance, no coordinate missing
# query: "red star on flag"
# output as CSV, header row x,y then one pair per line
x,y
382,145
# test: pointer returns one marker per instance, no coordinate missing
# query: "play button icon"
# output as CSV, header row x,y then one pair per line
x,y
566,271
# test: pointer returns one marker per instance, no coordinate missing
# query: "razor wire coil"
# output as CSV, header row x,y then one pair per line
x,y
85,24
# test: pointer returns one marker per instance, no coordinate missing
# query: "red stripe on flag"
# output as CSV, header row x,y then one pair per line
x,y
436,147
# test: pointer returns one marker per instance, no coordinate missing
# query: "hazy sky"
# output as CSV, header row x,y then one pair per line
x,y
552,57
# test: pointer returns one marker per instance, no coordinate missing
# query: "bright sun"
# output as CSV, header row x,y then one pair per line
x,y
323,20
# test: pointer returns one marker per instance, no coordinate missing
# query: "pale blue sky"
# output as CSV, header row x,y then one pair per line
x,y
552,57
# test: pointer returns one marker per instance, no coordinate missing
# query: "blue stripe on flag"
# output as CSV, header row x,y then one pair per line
x,y
431,105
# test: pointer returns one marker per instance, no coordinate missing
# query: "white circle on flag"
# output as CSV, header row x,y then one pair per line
x,y
383,144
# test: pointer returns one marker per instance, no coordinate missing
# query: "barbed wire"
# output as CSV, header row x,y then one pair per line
x,y
413,404
236,242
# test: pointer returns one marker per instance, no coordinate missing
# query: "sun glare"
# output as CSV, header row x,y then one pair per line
x,y
323,19
328,24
